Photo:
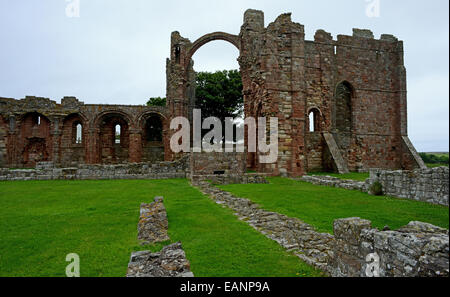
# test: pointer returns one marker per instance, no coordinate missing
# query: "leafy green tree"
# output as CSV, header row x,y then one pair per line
x,y
156,101
219,94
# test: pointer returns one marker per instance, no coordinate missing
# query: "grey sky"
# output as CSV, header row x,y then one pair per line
x,y
115,51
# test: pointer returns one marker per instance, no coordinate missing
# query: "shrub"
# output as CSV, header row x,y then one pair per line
x,y
376,189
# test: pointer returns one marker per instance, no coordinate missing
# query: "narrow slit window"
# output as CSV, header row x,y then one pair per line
x,y
117,134
79,135
311,122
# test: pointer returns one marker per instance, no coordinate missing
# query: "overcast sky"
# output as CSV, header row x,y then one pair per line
x,y
115,51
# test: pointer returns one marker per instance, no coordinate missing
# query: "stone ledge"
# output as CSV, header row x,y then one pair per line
x,y
169,262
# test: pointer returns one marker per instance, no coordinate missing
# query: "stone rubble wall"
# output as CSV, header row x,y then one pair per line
x,y
418,249
331,181
153,224
46,171
311,246
226,179
169,262
152,228
428,185
208,163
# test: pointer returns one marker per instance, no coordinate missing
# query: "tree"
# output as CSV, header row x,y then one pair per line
x,y
156,101
219,94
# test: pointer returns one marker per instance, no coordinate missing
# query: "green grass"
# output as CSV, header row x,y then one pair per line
x,y
42,221
434,165
321,205
352,175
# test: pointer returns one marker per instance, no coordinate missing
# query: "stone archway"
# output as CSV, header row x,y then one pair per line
x,y
233,39
114,144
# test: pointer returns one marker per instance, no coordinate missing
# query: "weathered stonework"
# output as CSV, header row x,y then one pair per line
x,y
355,86
331,181
152,228
428,185
169,262
226,179
47,171
418,249
153,224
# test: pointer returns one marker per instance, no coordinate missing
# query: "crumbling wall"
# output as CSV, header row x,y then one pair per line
x,y
152,228
428,185
47,171
416,250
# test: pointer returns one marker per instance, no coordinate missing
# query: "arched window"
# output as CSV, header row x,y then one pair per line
x,y
314,120
117,129
79,134
153,128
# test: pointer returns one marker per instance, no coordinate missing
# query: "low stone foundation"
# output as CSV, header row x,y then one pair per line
x,y
153,224
293,234
428,185
46,171
418,249
336,182
225,179
171,260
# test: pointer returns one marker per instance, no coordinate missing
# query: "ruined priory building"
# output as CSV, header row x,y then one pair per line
x,y
352,90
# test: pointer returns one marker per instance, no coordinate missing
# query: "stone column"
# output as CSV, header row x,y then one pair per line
x,y
135,146
56,140
92,146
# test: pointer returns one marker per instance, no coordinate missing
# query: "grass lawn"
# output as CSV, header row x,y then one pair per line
x,y
434,165
42,221
321,205
352,175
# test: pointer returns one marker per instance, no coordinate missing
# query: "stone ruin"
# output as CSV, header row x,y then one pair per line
x,y
341,106
171,260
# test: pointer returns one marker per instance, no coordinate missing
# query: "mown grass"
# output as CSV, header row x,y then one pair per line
x,y
41,222
359,176
321,205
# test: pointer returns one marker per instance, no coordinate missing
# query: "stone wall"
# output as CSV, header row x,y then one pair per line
x,y
152,228
46,171
331,181
416,250
217,163
36,129
428,185
225,179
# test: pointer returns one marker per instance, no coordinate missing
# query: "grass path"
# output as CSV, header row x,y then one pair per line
x,y
321,205
42,221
